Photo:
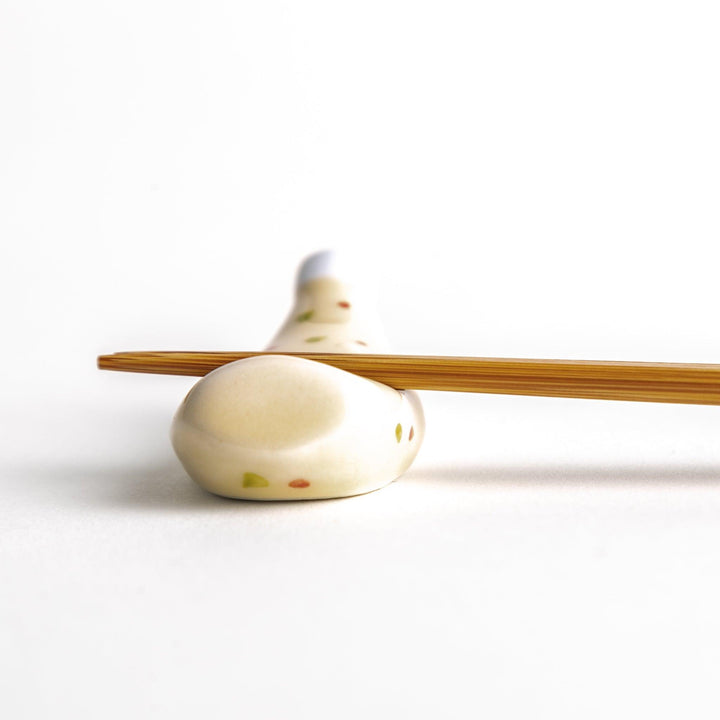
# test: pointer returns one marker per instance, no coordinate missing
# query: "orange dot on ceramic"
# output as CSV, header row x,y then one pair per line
x,y
412,433
299,484
361,342
344,304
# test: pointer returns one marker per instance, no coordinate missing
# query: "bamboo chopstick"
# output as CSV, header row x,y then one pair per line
x,y
697,384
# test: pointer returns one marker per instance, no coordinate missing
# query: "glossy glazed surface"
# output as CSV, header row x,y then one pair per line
x,y
286,428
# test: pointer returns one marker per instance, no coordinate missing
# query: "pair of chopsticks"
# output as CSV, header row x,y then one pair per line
x,y
691,383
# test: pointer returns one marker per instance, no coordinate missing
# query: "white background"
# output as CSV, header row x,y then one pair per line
x,y
535,179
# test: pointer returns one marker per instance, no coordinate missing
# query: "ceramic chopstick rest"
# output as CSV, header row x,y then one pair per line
x,y
285,428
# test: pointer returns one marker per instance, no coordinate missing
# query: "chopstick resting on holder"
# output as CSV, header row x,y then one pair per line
x,y
691,383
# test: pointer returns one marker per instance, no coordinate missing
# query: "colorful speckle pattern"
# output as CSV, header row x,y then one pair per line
x,y
315,338
252,480
304,317
300,483
398,432
412,433
344,304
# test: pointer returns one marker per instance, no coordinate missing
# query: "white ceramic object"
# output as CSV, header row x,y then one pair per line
x,y
285,428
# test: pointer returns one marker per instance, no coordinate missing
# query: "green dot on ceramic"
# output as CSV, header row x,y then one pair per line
x,y
253,480
315,338
304,317
398,432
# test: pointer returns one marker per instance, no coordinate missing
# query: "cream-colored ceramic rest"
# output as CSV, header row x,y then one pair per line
x,y
277,427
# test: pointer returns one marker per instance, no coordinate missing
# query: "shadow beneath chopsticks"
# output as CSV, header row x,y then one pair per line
x,y
576,475
163,486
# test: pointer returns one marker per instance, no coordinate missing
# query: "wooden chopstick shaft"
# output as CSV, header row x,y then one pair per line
x,y
638,381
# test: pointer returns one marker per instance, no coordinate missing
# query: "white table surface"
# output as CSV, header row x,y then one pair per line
x,y
541,558
529,181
